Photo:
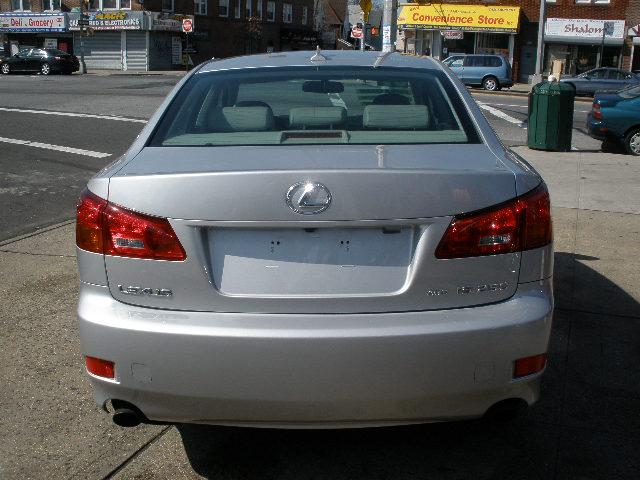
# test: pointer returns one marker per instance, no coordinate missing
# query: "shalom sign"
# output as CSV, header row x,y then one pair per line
x,y
565,27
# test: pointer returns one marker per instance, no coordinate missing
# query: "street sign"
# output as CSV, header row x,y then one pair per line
x,y
187,25
356,32
366,5
608,29
452,34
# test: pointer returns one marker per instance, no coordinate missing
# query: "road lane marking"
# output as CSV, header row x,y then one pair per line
x,y
527,107
58,148
72,114
500,114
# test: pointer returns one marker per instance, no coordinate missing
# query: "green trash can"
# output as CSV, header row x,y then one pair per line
x,y
551,116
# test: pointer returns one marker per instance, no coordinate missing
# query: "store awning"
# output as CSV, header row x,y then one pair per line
x,y
468,18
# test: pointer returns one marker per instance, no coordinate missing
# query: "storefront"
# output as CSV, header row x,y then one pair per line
x,y
440,30
634,37
581,44
129,40
29,30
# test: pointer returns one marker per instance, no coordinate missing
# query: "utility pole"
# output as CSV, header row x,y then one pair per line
x,y
364,32
389,26
537,77
81,23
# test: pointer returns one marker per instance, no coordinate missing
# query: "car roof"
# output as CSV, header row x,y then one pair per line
x,y
338,58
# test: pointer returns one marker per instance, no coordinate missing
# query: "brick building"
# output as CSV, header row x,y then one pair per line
x,y
633,32
225,28
573,32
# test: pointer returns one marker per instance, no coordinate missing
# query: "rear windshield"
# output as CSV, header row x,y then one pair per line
x,y
315,106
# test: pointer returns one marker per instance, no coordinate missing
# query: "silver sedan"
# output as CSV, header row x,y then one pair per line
x,y
315,239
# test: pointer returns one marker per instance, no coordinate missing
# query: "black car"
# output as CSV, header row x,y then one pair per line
x,y
602,79
43,60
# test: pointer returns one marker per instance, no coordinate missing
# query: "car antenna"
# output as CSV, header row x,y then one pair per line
x,y
318,57
381,58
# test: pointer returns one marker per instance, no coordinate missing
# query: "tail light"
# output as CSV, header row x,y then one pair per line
x,y
100,367
524,367
112,230
595,111
520,224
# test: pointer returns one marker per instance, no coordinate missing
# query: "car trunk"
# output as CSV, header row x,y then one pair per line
x,y
372,250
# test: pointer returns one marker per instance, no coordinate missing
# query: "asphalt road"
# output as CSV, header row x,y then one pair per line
x,y
39,186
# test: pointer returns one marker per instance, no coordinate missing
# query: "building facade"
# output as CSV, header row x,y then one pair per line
x,y
225,28
147,34
573,32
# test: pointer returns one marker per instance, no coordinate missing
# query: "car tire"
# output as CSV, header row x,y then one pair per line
x,y
632,142
45,69
490,84
5,69
611,146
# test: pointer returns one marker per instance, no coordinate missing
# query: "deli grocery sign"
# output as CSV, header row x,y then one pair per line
x,y
38,22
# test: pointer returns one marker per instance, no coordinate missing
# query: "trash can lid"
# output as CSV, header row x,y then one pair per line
x,y
554,88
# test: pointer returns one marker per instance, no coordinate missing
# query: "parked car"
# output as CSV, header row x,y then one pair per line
x,y
491,72
43,60
602,79
309,239
615,119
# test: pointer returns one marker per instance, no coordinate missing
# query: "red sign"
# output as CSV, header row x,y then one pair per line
x,y
187,25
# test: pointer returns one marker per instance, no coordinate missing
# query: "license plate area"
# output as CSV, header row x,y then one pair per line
x,y
310,262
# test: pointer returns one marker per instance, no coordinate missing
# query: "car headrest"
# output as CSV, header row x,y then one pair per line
x,y
396,117
391,99
241,119
312,117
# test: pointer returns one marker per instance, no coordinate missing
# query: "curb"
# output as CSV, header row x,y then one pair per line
x,y
519,93
9,241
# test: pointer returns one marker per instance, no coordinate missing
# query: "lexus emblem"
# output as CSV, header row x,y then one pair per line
x,y
308,198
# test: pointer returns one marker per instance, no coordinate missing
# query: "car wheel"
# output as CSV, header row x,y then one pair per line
x,y
632,142
610,146
491,84
45,69
6,69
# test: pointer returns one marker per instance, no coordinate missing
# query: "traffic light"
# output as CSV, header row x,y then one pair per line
x,y
375,31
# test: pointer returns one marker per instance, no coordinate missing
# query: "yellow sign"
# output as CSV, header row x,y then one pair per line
x,y
366,5
469,18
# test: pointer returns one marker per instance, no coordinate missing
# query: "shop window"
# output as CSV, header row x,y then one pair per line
x,y
237,9
259,9
223,8
109,4
287,13
305,13
51,5
168,5
21,5
200,7
271,11
247,10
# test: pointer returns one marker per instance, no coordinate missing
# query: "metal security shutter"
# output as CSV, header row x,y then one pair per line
x,y
137,57
102,50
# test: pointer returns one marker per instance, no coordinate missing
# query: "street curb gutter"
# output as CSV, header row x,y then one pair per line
x,y
37,232
522,94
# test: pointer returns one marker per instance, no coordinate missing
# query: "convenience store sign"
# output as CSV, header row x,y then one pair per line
x,y
470,18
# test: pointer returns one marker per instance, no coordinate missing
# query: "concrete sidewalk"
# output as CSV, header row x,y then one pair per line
x,y
586,425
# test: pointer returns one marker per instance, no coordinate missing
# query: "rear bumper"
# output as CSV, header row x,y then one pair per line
x,y
598,129
315,370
